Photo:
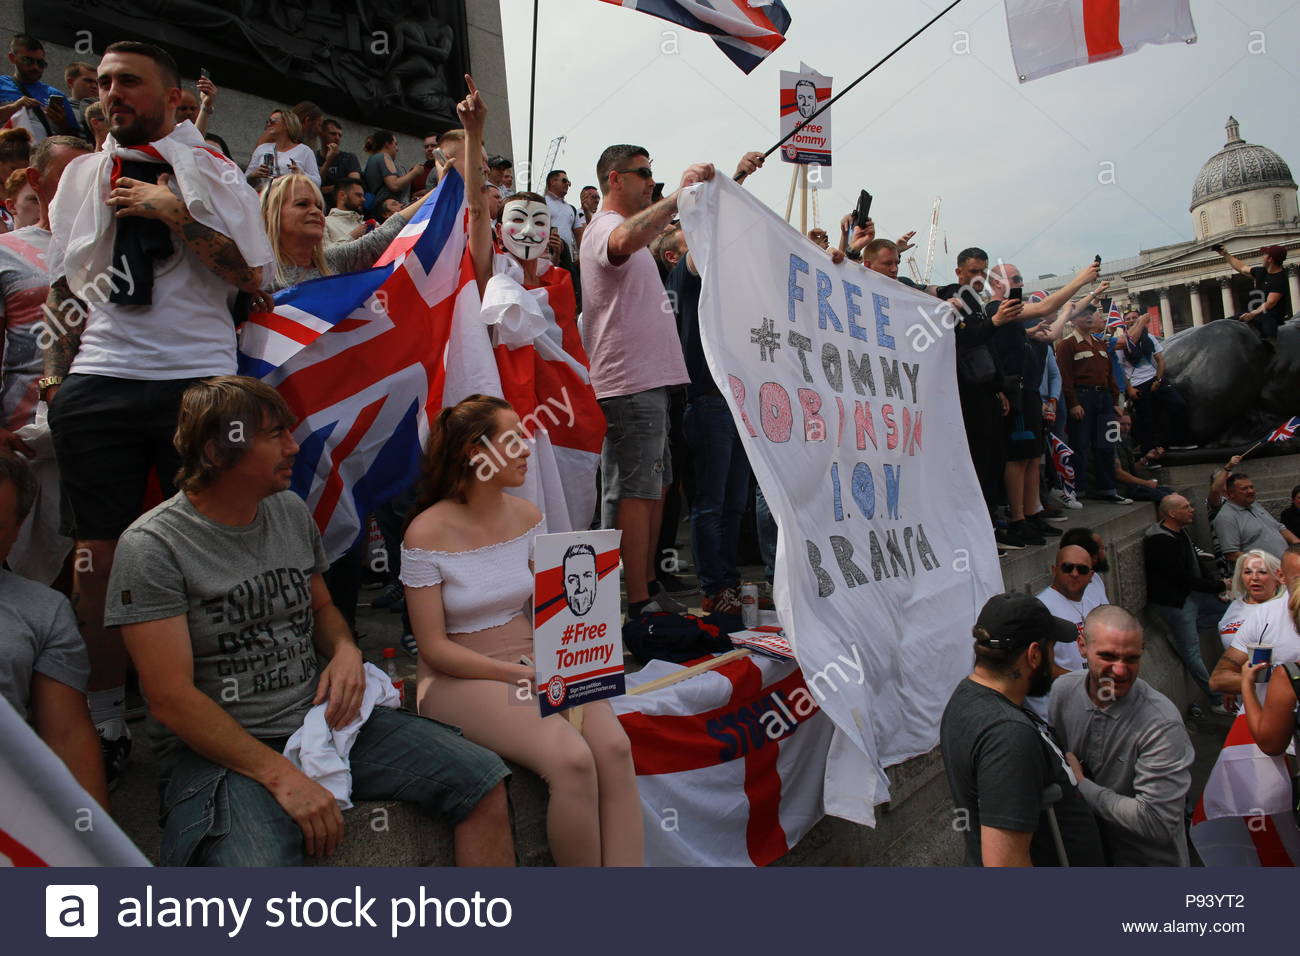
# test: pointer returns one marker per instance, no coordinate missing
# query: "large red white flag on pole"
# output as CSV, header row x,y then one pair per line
x,y
1048,36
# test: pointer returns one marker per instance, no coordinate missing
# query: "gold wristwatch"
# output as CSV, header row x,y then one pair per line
x,y
48,381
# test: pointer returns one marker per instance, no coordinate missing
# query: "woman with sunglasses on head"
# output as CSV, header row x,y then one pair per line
x,y
281,152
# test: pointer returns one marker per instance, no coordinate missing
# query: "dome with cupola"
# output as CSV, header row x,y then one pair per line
x,y
1242,185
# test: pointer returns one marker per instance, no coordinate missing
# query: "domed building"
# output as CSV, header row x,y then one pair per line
x,y
1242,185
1244,198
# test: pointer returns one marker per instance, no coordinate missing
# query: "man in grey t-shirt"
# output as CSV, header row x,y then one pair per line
x,y
1127,745
43,663
1243,524
224,612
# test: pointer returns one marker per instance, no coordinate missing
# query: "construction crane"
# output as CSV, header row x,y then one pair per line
x,y
922,276
552,157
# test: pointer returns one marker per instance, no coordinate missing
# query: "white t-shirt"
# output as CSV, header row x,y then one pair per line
x,y
1140,374
1067,656
188,331
1094,595
1233,619
300,153
563,218
1270,624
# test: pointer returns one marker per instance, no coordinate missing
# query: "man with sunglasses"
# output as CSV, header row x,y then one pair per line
x,y
564,217
1069,599
24,90
636,357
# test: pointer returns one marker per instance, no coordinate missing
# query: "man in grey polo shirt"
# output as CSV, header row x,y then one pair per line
x,y
1243,524
1127,745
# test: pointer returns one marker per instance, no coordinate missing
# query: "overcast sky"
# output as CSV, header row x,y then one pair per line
x,y
1017,164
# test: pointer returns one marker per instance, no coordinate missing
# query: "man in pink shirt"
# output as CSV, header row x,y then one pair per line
x,y
636,357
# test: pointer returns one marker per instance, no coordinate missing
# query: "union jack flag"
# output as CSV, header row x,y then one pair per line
x,y
745,30
1114,318
1285,432
362,360
1063,462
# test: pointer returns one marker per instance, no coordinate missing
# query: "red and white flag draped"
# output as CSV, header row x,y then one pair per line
x,y
544,376
46,818
1244,815
1048,36
729,763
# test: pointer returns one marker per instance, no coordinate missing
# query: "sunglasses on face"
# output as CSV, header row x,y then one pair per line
x,y
33,61
645,172
1017,280
1069,568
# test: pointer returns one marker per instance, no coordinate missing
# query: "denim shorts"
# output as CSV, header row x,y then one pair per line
x,y
213,816
636,461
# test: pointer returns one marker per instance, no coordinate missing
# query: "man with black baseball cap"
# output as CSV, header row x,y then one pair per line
x,y
1016,799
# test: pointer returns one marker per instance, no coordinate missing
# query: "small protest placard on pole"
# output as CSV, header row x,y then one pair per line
x,y
801,94
577,621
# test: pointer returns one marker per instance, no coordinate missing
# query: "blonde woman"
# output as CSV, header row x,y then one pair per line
x,y
281,152
293,212
1256,580
1273,723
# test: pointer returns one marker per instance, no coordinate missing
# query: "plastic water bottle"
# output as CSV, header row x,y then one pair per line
x,y
390,668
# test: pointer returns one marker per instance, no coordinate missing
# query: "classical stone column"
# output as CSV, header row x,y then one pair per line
x,y
1198,311
1225,290
1293,280
1166,314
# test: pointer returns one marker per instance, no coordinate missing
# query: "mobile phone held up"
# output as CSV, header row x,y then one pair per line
x,y
863,210
204,74
1217,247
1016,292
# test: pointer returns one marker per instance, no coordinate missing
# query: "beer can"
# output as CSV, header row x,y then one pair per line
x,y
749,605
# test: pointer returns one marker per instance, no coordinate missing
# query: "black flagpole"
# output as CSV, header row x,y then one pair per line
x,y
829,102
532,99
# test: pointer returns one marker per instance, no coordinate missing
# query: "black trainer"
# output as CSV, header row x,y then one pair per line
x,y
1026,534
1042,527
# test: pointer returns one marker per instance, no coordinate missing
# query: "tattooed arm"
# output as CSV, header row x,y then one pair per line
x,y
65,318
219,253
639,230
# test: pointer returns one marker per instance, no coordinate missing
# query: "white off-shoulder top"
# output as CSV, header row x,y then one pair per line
x,y
481,588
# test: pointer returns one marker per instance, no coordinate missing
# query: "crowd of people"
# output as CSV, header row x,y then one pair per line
x,y
188,563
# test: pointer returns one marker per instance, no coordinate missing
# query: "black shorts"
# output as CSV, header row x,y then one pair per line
x,y
1024,428
109,434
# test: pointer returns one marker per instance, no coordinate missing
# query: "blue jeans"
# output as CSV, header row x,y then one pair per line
x,y
213,816
1181,622
1088,439
721,489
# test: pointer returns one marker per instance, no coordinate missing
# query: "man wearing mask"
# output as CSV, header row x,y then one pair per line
x,y
1007,775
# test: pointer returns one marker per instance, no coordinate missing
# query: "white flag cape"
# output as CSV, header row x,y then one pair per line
x,y
1048,36
842,385
46,818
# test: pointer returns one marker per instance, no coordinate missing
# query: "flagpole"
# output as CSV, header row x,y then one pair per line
x,y
532,99
829,102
